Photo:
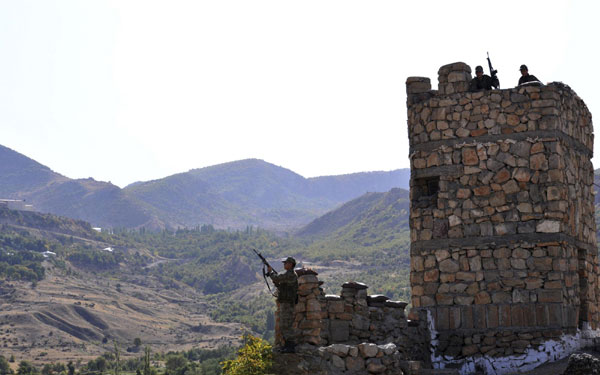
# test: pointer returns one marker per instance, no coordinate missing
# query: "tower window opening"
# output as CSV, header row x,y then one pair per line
x,y
425,190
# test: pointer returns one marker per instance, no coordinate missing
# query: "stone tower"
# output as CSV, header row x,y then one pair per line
x,y
503,237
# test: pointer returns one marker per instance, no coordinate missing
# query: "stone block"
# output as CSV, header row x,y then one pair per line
x,y
360,322
548,226
489,264
511,187
375,366
338,362
354,285
368,350
417,85
470,350
444,299
355,364
542,264
538,162
448,266
454,318
479,316
442,318
529,315
339,330
469,156
475,263
465,276
309,324
463,193
467,317
505,315
520,295
307,286
555,316
482,297
545,296
464,300
313,305
518,264
458,76
516,315
388,349
361,294
308,279
493,318
431,275
481,191
335,306
502,253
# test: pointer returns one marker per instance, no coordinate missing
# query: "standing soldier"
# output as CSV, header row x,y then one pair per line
x,y
287,297
483,81
525,76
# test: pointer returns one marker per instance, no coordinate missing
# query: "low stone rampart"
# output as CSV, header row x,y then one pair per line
x,y
354,332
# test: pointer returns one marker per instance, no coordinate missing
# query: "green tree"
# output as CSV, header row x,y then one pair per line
x,y
71,368
137,342
99,364
60,368
117,359
254,358
27,368
176,364
147,367
4,366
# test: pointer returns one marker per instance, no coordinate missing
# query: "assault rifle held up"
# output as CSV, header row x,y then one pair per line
x,y
266,265
492,70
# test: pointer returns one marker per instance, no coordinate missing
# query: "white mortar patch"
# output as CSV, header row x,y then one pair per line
x,y
549,351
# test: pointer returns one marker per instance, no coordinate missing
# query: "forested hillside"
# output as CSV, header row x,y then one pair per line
x,y
209,275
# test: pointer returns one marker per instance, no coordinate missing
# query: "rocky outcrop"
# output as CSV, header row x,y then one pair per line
x,y
582,364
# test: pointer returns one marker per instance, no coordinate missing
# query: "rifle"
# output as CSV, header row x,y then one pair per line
x,y
264,270
492,71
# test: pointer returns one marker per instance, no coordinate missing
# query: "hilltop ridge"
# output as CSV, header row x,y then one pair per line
x,y
237,194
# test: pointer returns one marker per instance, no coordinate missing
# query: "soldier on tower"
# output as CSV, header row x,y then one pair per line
x,y
483,81
525,76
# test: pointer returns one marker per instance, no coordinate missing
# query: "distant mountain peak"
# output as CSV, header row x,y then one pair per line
x,y
18,173
227,195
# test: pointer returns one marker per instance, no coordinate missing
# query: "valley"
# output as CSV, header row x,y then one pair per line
x,y
173,290
80,316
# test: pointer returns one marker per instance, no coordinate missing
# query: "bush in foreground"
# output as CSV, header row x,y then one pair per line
x,y
254,358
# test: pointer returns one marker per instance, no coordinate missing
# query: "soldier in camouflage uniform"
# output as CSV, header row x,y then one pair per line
x,y
483,81
287,297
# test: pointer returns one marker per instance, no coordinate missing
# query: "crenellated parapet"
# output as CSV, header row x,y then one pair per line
x,y
354,332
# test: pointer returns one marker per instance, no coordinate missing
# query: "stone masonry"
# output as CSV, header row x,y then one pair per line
x,y
354,333
503,238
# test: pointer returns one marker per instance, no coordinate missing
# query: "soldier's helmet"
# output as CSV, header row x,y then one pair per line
x,y
289,260
523,67
478,68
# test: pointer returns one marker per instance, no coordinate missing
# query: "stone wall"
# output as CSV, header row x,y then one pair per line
x,y
355,332
503,243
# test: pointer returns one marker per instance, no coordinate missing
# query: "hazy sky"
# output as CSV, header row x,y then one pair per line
x,y
124,91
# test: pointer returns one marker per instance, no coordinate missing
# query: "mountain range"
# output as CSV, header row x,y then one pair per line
x,y
232,195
